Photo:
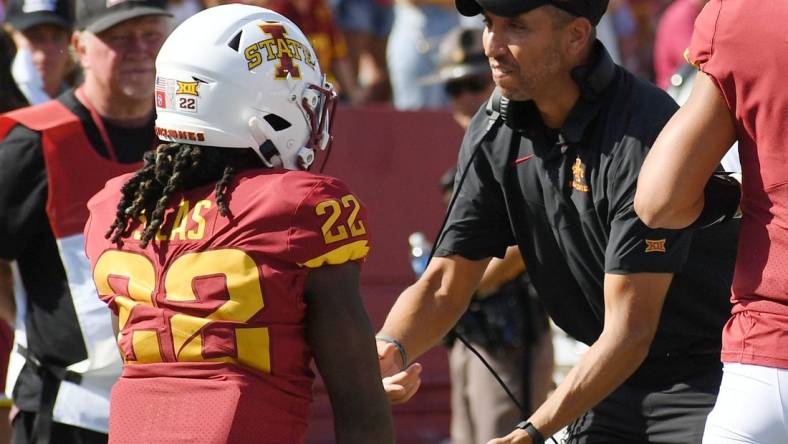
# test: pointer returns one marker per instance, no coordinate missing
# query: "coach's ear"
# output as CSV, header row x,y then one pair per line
x,y
578,36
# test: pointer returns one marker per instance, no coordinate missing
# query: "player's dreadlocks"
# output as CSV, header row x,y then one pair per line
x,y
168,169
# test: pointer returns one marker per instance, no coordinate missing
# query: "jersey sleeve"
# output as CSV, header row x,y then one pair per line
x,y
329,225
632,246
700,48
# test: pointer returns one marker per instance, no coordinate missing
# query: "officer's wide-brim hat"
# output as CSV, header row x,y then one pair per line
x,y
25,14
590,9
99,15
460,55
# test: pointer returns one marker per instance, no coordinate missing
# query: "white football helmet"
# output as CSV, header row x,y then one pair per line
x,y
241,76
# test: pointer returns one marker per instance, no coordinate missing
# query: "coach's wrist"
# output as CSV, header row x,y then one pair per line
x,y
403,355
535,435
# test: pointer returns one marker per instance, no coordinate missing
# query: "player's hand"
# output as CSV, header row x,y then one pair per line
x,y
518,436
399,385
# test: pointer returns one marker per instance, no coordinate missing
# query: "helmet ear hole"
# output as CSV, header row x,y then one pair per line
x,y
235,43
277,122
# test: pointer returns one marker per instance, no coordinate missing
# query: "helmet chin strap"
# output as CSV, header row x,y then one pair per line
x,y
265,148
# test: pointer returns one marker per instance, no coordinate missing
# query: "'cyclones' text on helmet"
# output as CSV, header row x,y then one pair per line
x,y
241,76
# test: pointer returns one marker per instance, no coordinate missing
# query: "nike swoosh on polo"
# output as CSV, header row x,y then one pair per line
x,y
522,159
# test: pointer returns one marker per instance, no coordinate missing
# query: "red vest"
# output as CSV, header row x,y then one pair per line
x,y
75,172
67,154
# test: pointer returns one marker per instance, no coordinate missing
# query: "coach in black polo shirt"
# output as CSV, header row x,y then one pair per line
x,y
553,169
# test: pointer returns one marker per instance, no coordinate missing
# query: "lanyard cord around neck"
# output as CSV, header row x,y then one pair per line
x,y
97,120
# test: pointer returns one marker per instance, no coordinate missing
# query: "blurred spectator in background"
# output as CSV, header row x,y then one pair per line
x,y
412,51
366,25
618,31
504,322
35,63
672,38
41,31
183,9
463,72
54,157
11,97
646,14
315,20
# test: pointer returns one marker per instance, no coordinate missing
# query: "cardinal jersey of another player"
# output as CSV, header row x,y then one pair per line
x,y
743,49
211,313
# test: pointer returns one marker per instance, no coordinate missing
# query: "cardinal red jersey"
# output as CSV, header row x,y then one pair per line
x,y
211,313
743,47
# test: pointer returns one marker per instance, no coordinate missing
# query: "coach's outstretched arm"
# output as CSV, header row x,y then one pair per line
x,y
633,303
422,315
341,336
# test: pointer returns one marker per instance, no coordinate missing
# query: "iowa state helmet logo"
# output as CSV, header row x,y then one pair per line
x,y
279,48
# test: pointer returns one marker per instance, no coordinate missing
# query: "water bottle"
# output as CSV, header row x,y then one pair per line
x,y
419,252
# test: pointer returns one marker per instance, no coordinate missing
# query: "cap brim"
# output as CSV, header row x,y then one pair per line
x,y
468,8
117,17
503,8
450,73
26,21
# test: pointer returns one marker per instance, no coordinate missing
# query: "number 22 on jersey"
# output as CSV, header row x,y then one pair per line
x,y
132,278
333,229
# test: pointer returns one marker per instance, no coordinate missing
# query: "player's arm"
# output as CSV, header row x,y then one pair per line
x,y
670,189
341,337
423,314
633,303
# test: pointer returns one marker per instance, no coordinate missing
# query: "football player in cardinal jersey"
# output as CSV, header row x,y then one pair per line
x,y
227,265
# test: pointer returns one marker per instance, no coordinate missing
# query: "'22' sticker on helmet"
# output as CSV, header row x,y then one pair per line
x,y
186,96
177,94
279,47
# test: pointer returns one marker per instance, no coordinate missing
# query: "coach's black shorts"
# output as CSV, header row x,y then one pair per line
x,y
675,413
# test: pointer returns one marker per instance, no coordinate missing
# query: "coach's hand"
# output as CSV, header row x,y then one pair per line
x,y
518,436
400,385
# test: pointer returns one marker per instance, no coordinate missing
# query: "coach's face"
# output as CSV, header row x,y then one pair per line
x,y
121,59
526,52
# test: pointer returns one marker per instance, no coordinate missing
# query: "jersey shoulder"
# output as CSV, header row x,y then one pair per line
x,y
102,208
329,222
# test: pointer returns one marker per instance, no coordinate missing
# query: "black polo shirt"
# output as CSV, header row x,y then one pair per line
x,y
566,198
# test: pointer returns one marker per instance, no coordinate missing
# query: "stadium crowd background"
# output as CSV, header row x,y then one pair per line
x,y
379,53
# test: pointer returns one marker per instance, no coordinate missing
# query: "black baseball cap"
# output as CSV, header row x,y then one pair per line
x,y
99,15
24,14
590,9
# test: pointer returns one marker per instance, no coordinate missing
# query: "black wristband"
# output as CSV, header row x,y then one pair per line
x,y
402,353
721,195
536,437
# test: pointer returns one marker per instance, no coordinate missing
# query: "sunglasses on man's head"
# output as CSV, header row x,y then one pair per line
x,y
474,84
